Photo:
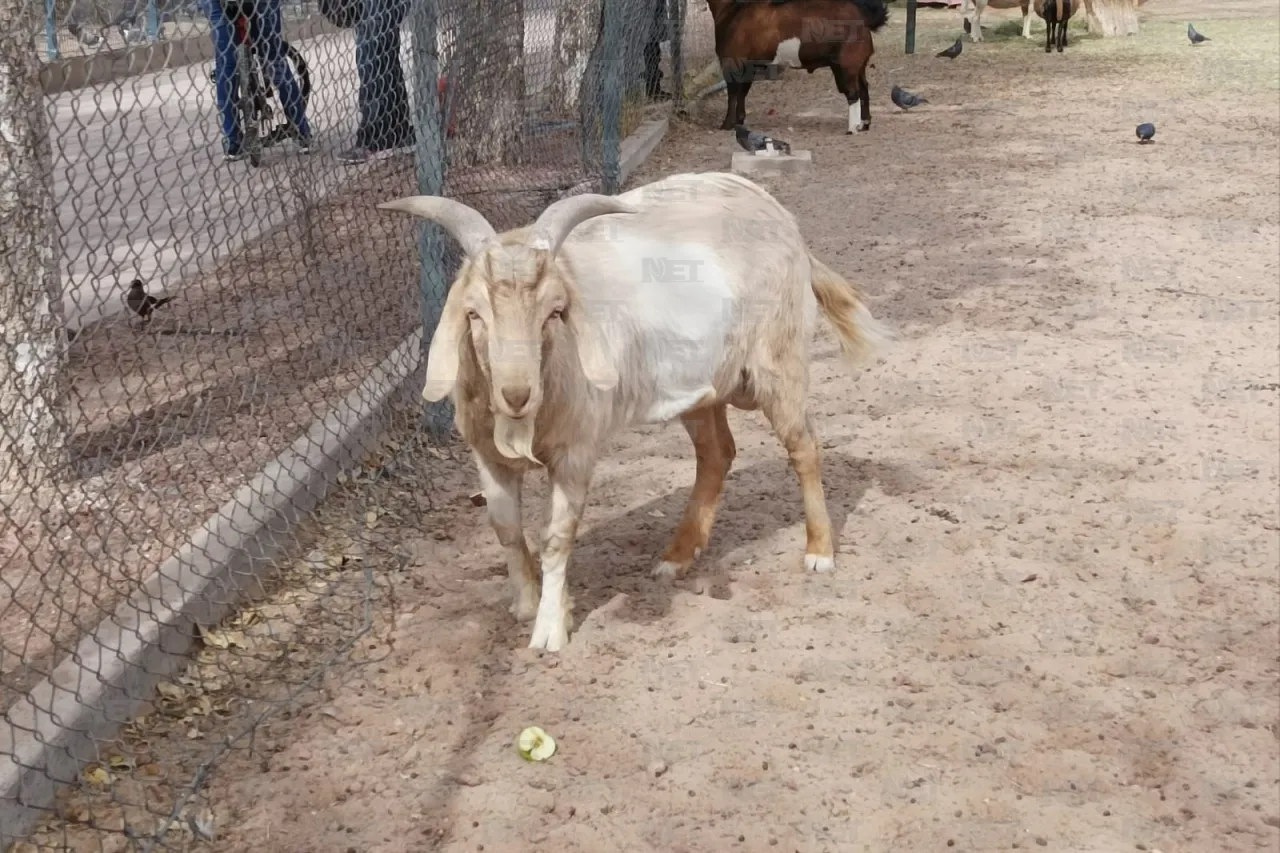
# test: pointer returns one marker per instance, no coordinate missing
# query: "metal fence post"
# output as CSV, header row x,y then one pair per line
x,y
911,26
611,93
51,28
429,158
676,31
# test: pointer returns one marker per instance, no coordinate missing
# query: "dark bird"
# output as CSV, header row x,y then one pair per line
x,y
1145,132
905,99
953,51
755,141
142,303
1195,37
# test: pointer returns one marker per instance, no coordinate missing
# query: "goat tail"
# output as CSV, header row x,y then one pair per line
x,y
861,335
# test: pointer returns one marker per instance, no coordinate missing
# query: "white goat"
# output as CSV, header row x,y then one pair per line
x,y
675,299
973,26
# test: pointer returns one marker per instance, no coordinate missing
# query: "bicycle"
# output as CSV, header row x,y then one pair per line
x,y
257,102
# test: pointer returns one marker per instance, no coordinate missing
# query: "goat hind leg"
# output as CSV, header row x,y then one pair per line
x,y
714,447
796,433
502,488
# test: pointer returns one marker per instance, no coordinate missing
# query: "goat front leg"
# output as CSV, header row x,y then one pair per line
x,y
502,488
1026,20
713,445
555,608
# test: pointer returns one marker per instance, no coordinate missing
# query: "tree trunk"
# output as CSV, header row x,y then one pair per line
x,y
490,112
576,26
32,402
1112,17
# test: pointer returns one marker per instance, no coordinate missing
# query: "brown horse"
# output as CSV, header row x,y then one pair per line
x,y
808,34
1056,13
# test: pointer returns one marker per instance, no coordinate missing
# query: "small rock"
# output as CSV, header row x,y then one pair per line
x,y
657,768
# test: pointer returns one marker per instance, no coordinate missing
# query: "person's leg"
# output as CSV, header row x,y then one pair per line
x,y
383,98
266,27
653,50
397,121
224,74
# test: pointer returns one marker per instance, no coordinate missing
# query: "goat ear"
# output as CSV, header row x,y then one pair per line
x,y
442,355
593,351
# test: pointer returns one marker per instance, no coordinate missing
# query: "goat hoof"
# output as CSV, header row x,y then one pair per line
x,y
525,607
549,637
819,563
668,569
862,128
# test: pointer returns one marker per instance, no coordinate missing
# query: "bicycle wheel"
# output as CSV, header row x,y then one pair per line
x,y
250,101
301,71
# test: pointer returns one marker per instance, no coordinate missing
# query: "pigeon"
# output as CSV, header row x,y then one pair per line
x,y
953,51
142,303
754,141
905,99
1195,37
1145,132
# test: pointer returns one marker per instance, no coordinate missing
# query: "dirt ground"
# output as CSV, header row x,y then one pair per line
x,y
1053,624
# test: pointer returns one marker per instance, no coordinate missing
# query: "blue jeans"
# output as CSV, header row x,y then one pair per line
x,y
385,121
266,29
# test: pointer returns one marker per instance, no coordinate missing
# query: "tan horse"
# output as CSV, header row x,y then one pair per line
x,y
974,26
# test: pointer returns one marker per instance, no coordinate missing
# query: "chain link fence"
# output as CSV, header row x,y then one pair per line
x,y
213,343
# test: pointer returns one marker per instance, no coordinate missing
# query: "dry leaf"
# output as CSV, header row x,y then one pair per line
x,y
168,690
96,774
122,763
202,824
193,733
213,638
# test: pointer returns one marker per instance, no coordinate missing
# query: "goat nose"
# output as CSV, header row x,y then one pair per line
x,y
516,396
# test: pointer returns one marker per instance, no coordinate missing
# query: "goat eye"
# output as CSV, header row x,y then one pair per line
x,y
472,315
556,314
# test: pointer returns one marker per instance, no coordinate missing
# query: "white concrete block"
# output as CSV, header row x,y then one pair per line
x,y
746,163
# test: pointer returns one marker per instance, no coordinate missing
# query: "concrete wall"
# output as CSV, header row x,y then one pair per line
x,y
78,72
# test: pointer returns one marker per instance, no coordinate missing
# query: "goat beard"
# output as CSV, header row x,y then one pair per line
x,y
514,438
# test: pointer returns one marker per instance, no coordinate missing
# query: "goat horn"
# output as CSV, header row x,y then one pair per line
x,y
555,223
466,225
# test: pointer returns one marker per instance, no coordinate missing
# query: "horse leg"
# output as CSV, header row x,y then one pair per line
x,y
864,94
731,71
731,90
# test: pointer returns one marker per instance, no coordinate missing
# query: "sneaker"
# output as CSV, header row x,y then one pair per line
x,y
232,156
354,156
304,145
359,154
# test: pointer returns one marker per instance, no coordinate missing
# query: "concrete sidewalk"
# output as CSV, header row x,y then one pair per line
x,y
142,190
140,185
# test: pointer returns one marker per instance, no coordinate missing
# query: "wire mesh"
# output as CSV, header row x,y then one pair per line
x,y
196,285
